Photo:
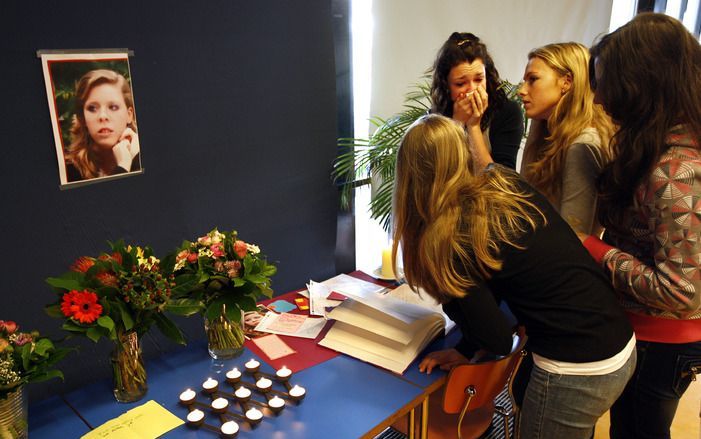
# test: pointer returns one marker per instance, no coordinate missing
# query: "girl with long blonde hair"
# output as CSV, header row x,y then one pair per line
x,y
568,141
470,239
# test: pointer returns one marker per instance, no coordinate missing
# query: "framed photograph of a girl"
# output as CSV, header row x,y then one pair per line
x,y
93,116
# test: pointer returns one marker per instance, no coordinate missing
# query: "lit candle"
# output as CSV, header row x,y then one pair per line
x,y
188,397
254,415
233,376
242,393
210,386
219,405
229,429
386,270
195,417
252,366
297,392
264,384
283,373
276,404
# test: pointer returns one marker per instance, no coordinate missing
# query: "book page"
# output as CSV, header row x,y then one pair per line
x,y
422,298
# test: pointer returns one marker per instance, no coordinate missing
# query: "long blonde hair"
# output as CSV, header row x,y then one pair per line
x,y
451,223
548,141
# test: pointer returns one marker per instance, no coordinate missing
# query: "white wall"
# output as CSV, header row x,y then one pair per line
x,y
408,33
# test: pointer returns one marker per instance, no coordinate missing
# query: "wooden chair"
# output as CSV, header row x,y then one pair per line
x,y
471,389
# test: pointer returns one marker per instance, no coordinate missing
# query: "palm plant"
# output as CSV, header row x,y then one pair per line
x,y
372,160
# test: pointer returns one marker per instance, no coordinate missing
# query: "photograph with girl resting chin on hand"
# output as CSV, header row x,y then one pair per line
x,y
95,120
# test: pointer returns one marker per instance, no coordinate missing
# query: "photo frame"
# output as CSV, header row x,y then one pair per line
x,y
93,115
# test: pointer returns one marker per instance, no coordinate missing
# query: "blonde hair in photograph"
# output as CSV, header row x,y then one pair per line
x,y
450,222
548,141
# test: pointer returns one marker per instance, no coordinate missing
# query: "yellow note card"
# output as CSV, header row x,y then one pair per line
x,y
148,421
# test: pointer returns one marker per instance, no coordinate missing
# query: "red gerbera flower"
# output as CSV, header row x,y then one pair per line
x,y
82,264
68,301
85,308
107,278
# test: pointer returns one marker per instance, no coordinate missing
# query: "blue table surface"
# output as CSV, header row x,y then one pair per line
x,y
345,397
53,418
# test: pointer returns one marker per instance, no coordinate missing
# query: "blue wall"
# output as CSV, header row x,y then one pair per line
x,y
237,123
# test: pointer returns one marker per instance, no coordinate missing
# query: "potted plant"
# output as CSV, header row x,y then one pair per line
x,y
220,276
118,295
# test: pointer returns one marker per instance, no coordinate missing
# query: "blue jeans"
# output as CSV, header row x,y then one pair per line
x,y
568,406
648,404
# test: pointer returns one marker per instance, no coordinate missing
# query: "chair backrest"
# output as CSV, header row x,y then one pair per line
x,y
485,380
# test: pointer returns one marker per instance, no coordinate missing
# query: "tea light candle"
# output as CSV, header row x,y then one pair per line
x,y
254,415
219,405
195,417
276,404
229,429
188,397
210,386
264,384
233,376
252,365
243,393
283,373
297,392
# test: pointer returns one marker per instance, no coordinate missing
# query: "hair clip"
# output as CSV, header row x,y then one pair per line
x,y
465,41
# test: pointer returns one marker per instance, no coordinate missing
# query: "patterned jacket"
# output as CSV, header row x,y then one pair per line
x,y
657,267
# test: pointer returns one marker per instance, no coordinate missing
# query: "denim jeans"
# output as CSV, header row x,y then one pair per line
x,y
568,406
648,404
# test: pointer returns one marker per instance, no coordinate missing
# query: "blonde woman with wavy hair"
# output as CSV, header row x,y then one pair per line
x,y
471,240
568,140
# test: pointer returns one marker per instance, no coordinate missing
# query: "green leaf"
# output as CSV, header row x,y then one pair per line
x,y
238,282
47,375
169,329
43,346
246,303
106,322
54,311
184,307
64,284
214,309
94,334
125,314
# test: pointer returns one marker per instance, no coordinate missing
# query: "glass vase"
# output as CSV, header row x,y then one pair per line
x,y
13,414
224,337
128,372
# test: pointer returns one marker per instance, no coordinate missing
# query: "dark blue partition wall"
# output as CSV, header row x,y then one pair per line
x,y
237,120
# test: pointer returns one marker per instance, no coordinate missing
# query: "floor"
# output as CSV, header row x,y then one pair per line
x,y
686,422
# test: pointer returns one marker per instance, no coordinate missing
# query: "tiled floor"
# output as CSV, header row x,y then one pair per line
x,y
686,422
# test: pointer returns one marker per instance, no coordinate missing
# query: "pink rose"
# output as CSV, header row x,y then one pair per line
x,y
8,326
23,338
240,249
217,250
205,240
182,255
192,258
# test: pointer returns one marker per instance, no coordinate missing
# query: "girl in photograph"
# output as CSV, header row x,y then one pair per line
x,y
647,76
470,239
104,139
466,87
568,140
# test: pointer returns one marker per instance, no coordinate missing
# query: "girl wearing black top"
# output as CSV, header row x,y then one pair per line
x,y
470,239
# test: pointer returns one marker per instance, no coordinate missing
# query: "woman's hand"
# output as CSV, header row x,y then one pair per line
x,y
126,149
470,107
445,360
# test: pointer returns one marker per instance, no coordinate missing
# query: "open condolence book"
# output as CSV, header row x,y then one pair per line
x,y
388,330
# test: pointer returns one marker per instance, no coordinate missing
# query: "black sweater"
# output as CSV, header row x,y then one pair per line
x,y
554,288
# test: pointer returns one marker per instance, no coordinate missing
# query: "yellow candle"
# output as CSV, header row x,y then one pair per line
x,y
387,263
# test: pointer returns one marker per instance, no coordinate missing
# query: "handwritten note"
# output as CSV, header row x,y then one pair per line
x,y
148,421
287,323
273,346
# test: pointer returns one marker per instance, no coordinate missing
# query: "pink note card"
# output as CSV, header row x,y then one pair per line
x,y
288,323
273,346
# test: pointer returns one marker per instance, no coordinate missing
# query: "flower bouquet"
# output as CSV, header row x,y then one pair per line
x,y
220,276
119,296
25,357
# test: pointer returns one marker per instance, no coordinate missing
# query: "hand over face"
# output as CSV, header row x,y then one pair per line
x,y
469,107
126,149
